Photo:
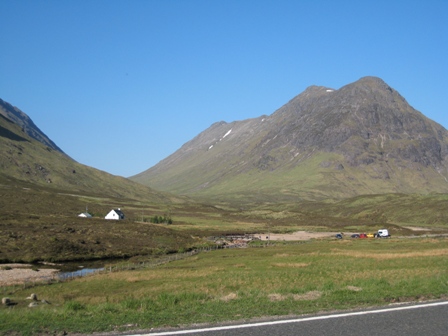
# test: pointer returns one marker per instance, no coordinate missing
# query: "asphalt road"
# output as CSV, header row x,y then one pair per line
x,y
410,320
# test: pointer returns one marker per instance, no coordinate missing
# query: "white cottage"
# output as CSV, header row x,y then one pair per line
x,y
116,214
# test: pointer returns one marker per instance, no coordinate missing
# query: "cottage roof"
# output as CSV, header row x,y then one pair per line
x,y
115,214
119,212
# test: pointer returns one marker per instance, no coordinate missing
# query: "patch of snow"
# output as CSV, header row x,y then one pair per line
x,y
210,147
329,90
263,119
227,133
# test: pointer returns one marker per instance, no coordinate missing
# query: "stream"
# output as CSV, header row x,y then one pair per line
x,y
69,270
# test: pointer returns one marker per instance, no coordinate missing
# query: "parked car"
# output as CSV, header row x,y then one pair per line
x,y
355,235
362,235
383,233
339,235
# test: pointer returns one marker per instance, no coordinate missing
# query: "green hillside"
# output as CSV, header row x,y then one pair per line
x,y
25,159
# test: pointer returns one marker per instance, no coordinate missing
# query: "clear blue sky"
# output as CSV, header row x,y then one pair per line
x,y
120,85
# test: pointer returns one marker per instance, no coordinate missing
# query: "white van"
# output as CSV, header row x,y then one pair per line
x,y
383,233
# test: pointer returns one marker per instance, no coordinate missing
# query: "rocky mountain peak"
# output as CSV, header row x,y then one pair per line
x,y
371,81
372,88
367,129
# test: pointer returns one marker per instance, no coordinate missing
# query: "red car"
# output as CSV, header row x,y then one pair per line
x,y
362,235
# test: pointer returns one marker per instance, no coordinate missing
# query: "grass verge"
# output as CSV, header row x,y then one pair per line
x,y
236,284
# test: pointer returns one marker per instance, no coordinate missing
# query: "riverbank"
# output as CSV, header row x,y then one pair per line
x,y
16,274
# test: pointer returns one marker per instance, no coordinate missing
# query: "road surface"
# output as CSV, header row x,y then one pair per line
x,y
408,320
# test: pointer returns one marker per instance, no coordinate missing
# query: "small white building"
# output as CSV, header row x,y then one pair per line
x,y
116,214
85,215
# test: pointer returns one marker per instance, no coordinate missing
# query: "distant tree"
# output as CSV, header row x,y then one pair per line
x,y
161,219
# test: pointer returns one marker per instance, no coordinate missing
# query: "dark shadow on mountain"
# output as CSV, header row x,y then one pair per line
x,y
6,133
11,135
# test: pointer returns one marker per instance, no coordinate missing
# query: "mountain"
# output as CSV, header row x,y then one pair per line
x,y
21,119
28,157
363,138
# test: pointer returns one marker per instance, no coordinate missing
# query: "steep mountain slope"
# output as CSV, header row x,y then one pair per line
x,y
24,121
361,139
33,158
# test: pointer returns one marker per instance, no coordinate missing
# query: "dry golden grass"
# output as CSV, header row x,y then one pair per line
x,y
392,275
229,297
277,297
290,265
312,295
154,274
382,256
354,288
240,266
279,215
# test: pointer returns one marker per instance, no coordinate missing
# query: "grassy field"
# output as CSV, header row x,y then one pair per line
x,y
238,284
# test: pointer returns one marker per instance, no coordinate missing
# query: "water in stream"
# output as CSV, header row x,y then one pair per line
x,y
79,268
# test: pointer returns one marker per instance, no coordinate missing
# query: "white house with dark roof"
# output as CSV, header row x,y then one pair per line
x,y
116,214
85,215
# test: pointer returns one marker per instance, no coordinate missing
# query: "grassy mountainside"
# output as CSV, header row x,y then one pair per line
x,y
361,139
399,212
427,211
26,124
22,158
